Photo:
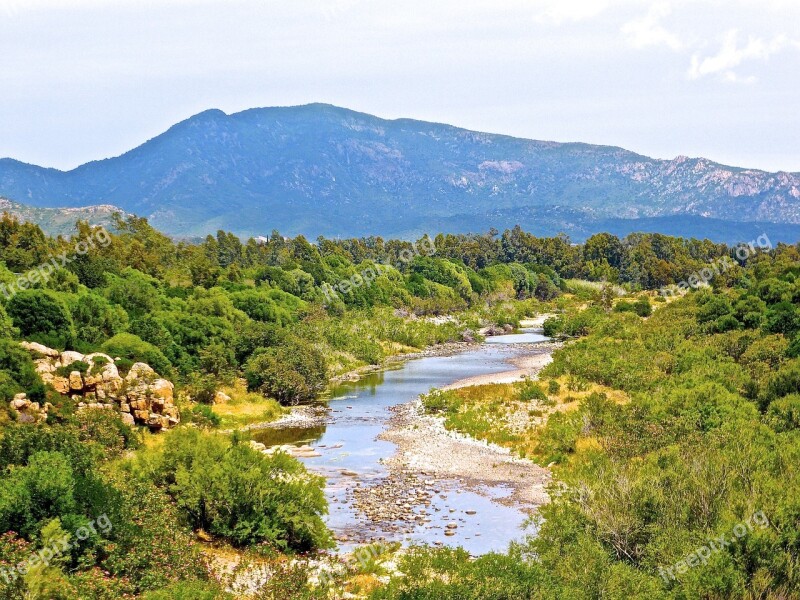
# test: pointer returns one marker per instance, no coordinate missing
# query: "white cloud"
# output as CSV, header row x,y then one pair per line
x,y
647,30
731,55
560,11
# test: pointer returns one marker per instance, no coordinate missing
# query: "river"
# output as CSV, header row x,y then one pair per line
x,y
353,456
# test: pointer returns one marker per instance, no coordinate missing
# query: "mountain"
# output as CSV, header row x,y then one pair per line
x,y
61,221
319,169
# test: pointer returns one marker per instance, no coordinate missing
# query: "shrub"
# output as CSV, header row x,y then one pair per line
x,y
291,373
247,497
532,391
553,387
41,315
132,347
77,365
203,415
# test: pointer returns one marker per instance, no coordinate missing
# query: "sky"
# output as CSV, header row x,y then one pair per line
x,y
83,80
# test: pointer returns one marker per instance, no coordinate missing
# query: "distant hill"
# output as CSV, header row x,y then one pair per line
x,y
319,169
60,221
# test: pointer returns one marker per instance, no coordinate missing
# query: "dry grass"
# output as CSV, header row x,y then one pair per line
x,y
246,408
497,413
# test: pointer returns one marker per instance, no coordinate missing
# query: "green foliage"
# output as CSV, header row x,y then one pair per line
x,y
17,373
41,315
77,365
532,391
132,347
451,574
235,492
203,416
293,372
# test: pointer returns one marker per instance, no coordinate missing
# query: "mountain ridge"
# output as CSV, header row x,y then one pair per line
x,y
319,169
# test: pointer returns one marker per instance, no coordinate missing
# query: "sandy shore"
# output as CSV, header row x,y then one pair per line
x,y
527,366
425,446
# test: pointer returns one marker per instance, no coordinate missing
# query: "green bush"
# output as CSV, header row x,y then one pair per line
x,y
132,347
42,315
531,390
203,415
242,495
77,365
291,373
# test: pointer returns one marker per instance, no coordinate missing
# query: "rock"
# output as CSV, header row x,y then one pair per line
x,y
140,370
221,398
44,365
471,512
89,358
20,403
161,388
75,381
61,384
40,349
68,357
142,397
110,371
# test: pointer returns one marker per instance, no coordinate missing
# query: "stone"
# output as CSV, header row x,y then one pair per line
x,y
75,381
40,349
44,365
20,403
68,357
127,418
140,370
221,398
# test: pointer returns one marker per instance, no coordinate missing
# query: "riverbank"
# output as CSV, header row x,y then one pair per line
x,y
426,448
430,459
527,366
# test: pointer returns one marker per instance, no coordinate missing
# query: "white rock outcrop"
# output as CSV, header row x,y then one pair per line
x,y
141,397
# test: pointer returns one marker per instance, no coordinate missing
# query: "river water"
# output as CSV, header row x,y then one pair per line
x,y
350,444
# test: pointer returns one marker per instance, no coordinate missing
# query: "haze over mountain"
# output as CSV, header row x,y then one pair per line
x,y
322,170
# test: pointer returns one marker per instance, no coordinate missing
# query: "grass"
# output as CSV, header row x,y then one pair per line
x,y
246,408
511,414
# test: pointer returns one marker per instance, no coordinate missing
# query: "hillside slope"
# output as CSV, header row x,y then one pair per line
x,y
319,169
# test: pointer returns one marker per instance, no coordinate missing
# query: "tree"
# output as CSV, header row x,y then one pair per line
x,y
42,315
291,373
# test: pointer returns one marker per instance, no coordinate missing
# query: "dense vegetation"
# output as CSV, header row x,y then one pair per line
x,y
712,380
681,479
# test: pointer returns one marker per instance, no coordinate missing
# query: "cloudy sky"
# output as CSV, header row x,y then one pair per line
x,y
88,79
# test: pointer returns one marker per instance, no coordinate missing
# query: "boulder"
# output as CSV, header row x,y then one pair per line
x,y
221,398
44,365
162,389
68,357
140,370
20,403
61,384
40,349
75,381
142,397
